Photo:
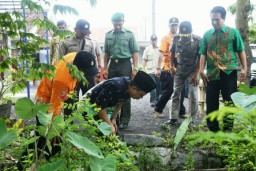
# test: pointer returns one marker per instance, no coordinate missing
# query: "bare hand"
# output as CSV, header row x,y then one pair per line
x,y
113,129
113,121
173,71
204,78
242,75
134,72
158,73
195,80
105,74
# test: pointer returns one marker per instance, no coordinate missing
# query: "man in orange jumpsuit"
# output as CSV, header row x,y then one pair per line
x,y
56,91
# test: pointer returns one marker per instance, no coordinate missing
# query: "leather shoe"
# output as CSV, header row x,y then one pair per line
x,y
122,126
159,115
184,116
171,122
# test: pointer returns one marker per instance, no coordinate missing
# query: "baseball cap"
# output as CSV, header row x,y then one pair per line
x,y
173,21
83,26
117,17
153,37
144,82
85,61
185,27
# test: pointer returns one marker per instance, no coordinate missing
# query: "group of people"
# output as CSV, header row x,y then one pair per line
x,y
180,59
183,57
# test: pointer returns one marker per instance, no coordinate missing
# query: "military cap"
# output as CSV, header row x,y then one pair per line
x,y
61,22
85,62
117,17
173,21
185,27
144,82
153,37
83,26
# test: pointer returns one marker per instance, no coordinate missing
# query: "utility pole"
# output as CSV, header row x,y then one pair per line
x,y
153,17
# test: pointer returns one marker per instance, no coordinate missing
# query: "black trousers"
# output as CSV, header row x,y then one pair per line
x,y
121,68
166,80
226,85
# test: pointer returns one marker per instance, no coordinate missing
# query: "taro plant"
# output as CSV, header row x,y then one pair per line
x,y
85,143
236,148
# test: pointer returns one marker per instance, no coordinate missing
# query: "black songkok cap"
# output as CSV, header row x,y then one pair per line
x,y
144,82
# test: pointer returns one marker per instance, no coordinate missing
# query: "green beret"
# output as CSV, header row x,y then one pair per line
x,y
117,17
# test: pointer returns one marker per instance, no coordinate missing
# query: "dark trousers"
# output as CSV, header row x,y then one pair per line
x,y
226,85
85,88
166,80
121,68
42,148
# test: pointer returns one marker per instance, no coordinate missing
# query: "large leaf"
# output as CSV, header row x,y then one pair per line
x,y
107,164
41,107
58,125
51,166
84,144
181,131
105,128
44,118
6,136
244,101
24,108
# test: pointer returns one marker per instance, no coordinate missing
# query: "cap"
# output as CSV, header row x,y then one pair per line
x,y
185,27
153,37
85,61
117,17
144,82
173,21
83,26
61,22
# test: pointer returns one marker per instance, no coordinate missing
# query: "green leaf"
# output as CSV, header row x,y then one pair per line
x,y
84,143
58,125
181,131
246,102
51,166
105,128
107,164
24,108
30,141
6,136
44,118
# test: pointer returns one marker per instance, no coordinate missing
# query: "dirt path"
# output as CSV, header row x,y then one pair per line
x,y
143,120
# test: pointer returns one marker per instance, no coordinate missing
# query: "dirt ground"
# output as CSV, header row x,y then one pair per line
x,y
143,120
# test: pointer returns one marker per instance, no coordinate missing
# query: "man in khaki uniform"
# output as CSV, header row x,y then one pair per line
x,y
55,43
80,42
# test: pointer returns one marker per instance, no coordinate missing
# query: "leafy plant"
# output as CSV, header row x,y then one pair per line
x,y
237,148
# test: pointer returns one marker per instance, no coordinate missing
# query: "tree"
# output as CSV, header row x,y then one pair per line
x,y
243,10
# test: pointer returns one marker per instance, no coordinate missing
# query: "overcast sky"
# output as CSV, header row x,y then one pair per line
x,y
138,13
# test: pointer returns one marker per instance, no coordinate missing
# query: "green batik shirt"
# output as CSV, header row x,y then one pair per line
x,y
120,44
220,48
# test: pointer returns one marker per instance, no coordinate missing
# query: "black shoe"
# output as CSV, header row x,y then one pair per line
x,y
152,104
122,126
171,122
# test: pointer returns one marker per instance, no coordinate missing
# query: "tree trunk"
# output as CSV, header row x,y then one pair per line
x,y
243,8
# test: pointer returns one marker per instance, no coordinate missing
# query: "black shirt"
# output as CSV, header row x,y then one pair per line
x,y
110,92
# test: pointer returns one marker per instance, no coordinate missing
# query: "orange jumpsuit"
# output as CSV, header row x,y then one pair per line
x,y
55,91
165,49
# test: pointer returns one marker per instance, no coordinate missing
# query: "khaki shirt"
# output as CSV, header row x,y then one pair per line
x,y
54,48
74,45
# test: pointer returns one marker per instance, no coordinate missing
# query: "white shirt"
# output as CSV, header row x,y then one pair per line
x,y
151,56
